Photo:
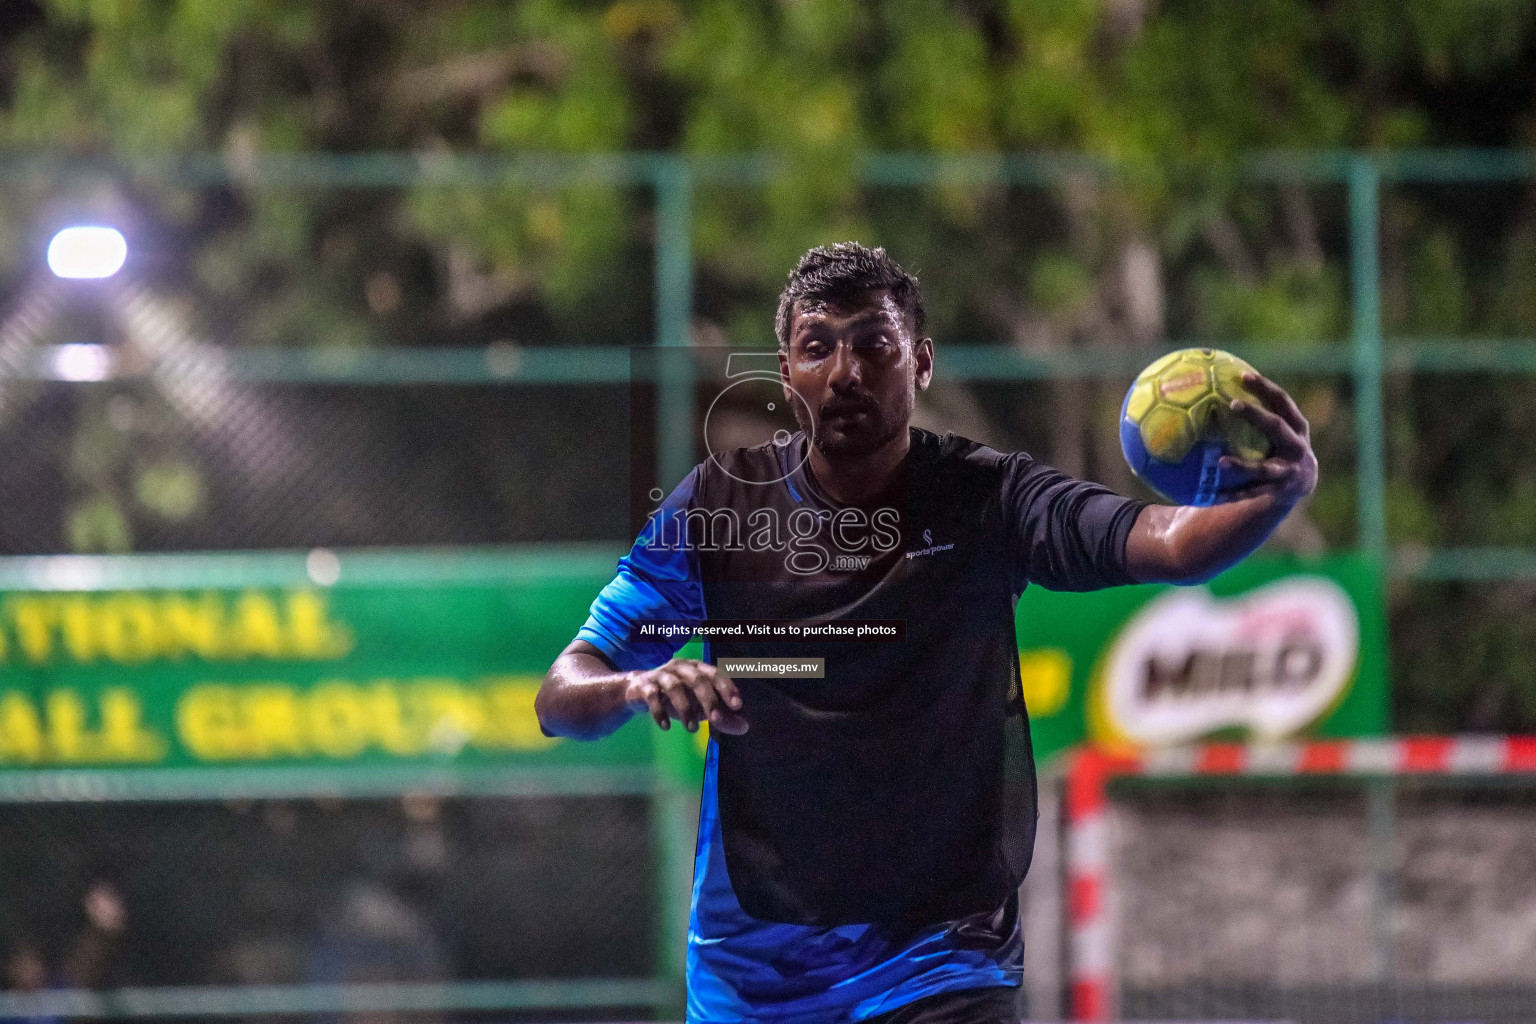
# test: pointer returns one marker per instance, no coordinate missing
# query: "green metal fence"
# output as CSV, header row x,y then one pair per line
x,y
674,179
1366,360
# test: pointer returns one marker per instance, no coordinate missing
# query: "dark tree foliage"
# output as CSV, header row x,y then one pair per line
x,y
1179,246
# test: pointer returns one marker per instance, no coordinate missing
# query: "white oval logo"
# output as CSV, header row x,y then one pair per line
x,y
1273,660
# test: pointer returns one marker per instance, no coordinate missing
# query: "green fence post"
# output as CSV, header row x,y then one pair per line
x,y
1365,286
674,824
674,316
673,817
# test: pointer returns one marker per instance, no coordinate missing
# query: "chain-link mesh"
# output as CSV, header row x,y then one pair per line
x,y
111,466
1325,903
316,892
174,449
364,258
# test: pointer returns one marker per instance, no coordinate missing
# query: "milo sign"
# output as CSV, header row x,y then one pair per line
x,y
1269,651
1187,664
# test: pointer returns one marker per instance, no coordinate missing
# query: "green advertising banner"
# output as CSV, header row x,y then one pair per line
x,y
246,662
228,668
1269,650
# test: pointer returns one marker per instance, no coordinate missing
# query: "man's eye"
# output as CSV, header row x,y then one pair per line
x,y
878,345
814,349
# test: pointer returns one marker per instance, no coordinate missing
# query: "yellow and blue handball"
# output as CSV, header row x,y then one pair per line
x,y
1176,423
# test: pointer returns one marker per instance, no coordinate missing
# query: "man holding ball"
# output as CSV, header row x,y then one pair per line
x,y
863,835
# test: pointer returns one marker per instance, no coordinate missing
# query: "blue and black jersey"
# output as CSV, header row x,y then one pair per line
x,y
861,846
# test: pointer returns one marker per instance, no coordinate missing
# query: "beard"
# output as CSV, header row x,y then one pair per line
x,y
843,438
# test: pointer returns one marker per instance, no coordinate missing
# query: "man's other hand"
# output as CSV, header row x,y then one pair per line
x,y
688,691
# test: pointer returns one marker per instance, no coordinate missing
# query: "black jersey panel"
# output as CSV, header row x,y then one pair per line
x,y
900,788
876,794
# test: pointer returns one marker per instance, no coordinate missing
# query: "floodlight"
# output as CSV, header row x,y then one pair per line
x,y
82,362
87,251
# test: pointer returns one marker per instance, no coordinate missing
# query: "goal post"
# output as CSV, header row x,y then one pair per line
x,y
1336,802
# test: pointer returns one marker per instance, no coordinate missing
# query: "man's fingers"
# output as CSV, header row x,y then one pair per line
x,y
717,694
694,692
657,707
724,717
693,696
701,683
1279,400
1253,490
1272,425
725,686
685,706
1259,469
1246,465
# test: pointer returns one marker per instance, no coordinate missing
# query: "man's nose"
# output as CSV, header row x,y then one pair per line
x,y
845,371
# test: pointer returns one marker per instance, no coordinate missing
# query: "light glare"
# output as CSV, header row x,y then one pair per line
x,y
87,252
82,362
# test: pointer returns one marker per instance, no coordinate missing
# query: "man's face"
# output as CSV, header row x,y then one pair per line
x,y
856,365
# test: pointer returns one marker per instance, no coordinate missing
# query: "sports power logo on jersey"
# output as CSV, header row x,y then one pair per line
x,y
929,547
1271,661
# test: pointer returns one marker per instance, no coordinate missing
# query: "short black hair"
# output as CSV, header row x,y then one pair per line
x,y
835,273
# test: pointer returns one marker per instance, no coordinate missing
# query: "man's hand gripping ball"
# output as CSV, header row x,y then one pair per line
x,y
1289,472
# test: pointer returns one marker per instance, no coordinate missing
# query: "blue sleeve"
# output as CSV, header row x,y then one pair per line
x,y
659,580
1064,533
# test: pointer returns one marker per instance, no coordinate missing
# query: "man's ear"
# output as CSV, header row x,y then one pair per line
x,y
922,355
784,374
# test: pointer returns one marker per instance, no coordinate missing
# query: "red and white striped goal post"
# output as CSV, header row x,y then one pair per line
x,y
1091,769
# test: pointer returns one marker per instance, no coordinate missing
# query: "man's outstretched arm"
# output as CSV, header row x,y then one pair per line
x,y
586,698
1190,545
